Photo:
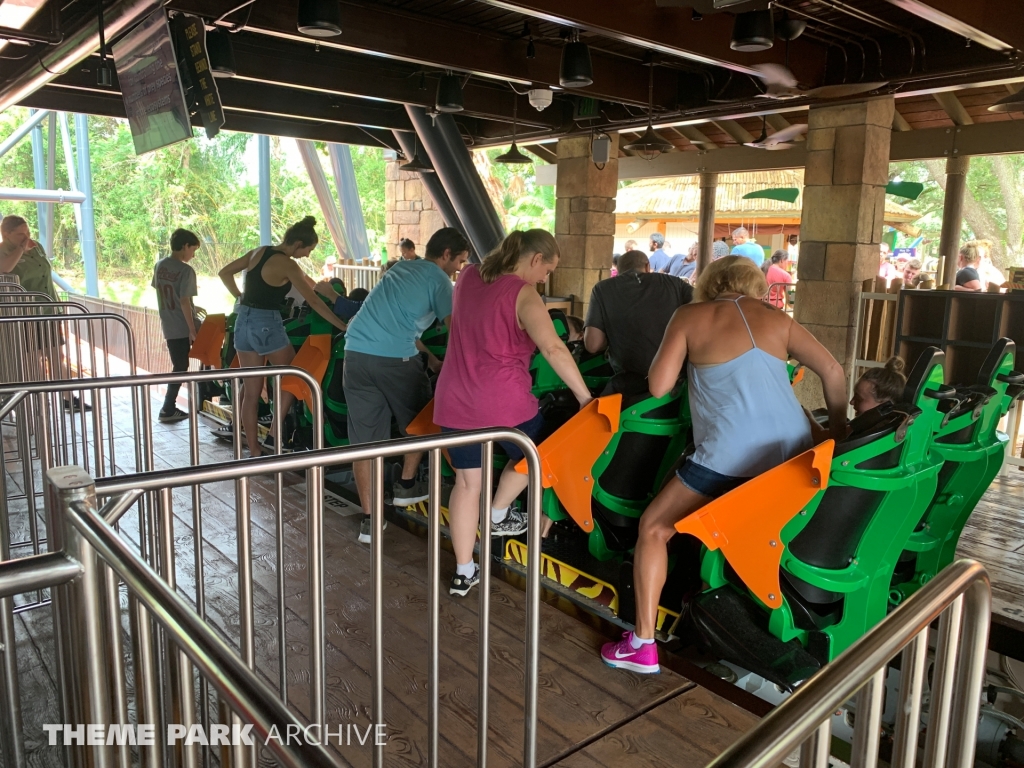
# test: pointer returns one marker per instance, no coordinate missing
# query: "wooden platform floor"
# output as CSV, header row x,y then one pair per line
x,y
589,715
994,536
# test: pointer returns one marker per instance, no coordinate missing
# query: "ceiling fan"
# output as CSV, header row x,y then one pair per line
x,y
783,85
778,140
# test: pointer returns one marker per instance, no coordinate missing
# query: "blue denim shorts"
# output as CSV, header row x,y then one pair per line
x,y
260,331
468,456
707,482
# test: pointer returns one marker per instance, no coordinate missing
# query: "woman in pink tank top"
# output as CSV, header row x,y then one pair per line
x,y
498,320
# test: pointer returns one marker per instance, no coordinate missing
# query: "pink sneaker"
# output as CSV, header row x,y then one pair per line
x,y
622,655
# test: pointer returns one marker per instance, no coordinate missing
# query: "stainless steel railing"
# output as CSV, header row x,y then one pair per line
x,y
122,491
960,597
84,576
154,511
9,278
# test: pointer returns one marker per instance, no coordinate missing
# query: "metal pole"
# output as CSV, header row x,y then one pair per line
x,y
941,704
970,676
706,225
51,169
23,130
483,653
69,162
348,197
266,235
41,197
433,605
311,159
869,721
39,175
92,285
908,709
377,569
952,216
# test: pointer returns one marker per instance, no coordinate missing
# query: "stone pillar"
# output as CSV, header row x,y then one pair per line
x,y
952,217
584,219
408,210
706,224
843,213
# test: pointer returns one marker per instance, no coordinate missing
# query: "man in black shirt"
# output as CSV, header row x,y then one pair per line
x,y
628,313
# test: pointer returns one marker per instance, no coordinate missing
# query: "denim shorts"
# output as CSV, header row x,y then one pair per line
x,y
707,482
468,456
260,331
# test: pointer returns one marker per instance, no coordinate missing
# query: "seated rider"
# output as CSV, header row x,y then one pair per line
x,y
746,419
875,387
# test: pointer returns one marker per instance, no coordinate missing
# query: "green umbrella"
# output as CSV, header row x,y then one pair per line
x,y
911,190
783,194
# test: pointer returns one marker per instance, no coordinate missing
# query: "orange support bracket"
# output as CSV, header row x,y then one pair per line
x,y
424,424
312,357
746,523
209,340
567,457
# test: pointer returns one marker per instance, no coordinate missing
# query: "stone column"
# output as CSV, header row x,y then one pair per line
x,y
408,210
843,213
584,219
952,217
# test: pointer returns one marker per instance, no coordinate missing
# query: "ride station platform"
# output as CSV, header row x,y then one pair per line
x,y
589,715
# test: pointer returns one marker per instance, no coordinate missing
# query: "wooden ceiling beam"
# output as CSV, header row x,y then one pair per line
x,y
696,137
899,122
543,152
737,132
778,123
670,31
951,106
426,41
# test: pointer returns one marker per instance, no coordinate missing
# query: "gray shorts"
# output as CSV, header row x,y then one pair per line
x,y
377,388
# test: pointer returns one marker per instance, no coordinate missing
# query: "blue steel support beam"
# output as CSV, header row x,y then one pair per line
x,y
266,235
51,181
450,157
348,196
39,177
69,161
22,131
92,284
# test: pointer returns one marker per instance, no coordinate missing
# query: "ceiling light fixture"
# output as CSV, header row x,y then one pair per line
x,y
513,156
1013,102
221,53
449,93
650,144
319,18
753,31
576,70
417,164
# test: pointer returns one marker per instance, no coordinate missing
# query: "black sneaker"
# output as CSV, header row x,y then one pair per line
x,y
224,433
513,524
169,418
462,584
266,421
406,497
366,529
75,405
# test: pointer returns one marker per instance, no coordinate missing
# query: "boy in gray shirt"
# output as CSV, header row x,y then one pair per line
x,y
175,284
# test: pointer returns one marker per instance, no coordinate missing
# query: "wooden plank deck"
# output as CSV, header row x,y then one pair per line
x,y
582,703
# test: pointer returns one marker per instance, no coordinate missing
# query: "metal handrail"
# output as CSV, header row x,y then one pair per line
x,y
121,490
961,595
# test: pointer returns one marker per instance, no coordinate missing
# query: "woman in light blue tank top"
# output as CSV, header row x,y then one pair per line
x,y
746,418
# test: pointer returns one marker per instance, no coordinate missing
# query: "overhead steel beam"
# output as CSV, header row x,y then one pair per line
x,y
23,130
111,105
41,195
271,99
1004,137
669,31
77,45
992,23
428,41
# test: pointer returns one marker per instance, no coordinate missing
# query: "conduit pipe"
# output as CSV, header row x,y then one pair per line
x,y
77,45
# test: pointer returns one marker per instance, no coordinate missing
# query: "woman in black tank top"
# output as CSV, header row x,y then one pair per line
x,y
260,337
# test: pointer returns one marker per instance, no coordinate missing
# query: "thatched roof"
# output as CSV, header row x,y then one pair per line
x,y
678,197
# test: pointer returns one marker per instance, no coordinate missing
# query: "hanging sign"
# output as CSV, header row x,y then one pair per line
x,y
194,62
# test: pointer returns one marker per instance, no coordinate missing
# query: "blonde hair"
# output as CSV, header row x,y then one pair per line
x,y
974,251
518,245
731,274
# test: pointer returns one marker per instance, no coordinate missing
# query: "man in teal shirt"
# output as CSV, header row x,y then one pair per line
x,y
744,246
384,373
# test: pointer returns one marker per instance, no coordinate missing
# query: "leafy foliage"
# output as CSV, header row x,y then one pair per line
x,y
520,201
207,186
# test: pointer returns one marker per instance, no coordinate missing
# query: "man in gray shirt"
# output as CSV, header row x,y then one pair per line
x,y
175,283
628,313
